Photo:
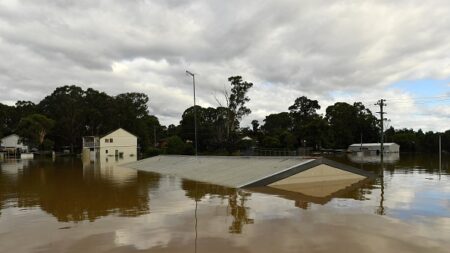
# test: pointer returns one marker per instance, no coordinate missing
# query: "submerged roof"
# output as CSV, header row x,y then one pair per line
x,y
235,171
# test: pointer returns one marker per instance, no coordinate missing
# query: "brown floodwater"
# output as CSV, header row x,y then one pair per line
x,y
65,206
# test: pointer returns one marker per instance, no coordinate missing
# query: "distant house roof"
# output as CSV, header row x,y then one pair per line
x,y
11,135
115,131
246,138
373,144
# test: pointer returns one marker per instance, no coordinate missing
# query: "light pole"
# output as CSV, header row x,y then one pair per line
x,y
195,110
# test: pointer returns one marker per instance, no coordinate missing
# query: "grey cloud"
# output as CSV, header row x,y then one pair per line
x,y
298,47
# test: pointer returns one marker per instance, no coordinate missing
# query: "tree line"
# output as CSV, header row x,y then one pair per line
x,y
70,112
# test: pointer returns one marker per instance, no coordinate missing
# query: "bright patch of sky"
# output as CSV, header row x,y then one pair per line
x,y
425,87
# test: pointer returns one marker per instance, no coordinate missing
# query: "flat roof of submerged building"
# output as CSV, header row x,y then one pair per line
x,y
249,171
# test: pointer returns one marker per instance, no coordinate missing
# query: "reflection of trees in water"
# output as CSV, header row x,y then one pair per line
x,y
62,190
236,201
239,211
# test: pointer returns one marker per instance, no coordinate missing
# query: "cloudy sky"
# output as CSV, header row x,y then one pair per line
x,y
327,50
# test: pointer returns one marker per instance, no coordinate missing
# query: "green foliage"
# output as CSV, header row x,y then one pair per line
x,y
211,127
238,97
236,110
255,126
150,151
274,124
47,145
175,145
304,108
34,128
271,142
62,118
349,122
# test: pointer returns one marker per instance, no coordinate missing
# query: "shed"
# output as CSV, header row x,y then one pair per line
x,y
374,147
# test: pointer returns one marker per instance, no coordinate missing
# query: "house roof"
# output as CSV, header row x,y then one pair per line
x,y
372,144
115,131
11,136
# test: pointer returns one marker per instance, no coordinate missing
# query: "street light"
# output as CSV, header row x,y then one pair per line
x,y
195,110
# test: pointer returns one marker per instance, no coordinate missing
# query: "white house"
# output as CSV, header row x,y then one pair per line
x,y
13,142
374,147
118,144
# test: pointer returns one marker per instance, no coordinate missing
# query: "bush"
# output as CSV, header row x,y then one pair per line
x,y
188,149
149,152
47,145
175,145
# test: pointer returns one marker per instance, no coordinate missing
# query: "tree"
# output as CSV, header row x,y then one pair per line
x,y
65,105
175,145
236,102
275,124
255,126
305,119
6,113
304,108
348,122
97,110
35,127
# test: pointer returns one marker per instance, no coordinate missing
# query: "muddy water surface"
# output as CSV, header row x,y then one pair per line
x,y
63,206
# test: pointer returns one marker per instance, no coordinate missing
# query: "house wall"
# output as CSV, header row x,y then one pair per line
x,y
123,144
393,148
120,137
12,141
107,153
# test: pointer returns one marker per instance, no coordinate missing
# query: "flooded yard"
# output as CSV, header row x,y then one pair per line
x,y
65,206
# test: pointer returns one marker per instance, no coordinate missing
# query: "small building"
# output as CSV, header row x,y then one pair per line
x,y
374,147
14,143
119,144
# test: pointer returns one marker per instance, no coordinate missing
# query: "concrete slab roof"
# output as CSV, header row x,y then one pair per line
x,y
234,171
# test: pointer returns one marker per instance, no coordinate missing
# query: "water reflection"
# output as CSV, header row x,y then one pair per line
x,y
322,192
235,198
362,158
144,211
71,193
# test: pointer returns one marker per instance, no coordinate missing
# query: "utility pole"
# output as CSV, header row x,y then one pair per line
x,y
195,110
154,136
382,104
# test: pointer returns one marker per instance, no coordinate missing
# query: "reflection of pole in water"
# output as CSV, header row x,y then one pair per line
x,y
440,157
195,214
381,207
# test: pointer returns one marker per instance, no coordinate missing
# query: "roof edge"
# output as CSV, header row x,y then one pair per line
x,y
103,136
305,166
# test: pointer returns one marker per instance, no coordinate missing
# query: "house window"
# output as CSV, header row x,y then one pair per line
x,y
111,140
106,140
106,151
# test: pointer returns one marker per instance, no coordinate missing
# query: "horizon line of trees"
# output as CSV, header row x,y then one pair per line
x,y
69,112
